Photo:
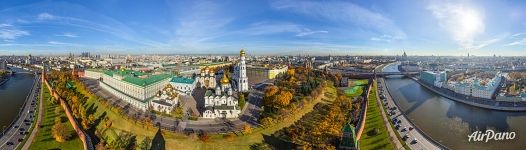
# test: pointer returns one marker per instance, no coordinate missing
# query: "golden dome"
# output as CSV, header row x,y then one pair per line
x,y
224,79
205,69
242,52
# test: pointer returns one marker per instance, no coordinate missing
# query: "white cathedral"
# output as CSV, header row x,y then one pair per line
x,y
221,102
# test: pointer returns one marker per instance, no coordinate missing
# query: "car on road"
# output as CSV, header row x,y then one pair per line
x,y
411,128
414,141
16,126
10,143
21,129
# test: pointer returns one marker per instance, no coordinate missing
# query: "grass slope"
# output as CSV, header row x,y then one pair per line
x,y
44,138
374,121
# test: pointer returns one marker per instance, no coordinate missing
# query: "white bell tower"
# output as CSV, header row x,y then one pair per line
x,y
242,79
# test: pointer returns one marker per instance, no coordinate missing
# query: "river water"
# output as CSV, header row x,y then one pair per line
x,y
450,122
13,94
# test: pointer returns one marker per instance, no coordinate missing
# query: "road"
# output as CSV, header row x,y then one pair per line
x,y
20,128
39,120
422,143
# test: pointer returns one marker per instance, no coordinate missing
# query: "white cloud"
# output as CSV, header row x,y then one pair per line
x,y
385,38
518,34
268,28
310,32
197,25
46,16
9,32
518,42
67,34
5,25
462,22
63,43
343,13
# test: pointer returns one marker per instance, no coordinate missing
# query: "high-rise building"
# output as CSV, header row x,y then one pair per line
x,y
240,73
85,54
3,65
29,59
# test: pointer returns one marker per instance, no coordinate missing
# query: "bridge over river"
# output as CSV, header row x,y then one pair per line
x,y
360,74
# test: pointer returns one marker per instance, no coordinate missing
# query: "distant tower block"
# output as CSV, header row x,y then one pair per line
x,y
241,73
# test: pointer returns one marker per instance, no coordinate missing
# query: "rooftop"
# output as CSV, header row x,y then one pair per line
x,y
138,78
182,80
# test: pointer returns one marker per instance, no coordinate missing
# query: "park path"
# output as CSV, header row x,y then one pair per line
x,y
39,120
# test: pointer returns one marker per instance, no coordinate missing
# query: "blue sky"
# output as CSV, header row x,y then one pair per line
x,y
386,27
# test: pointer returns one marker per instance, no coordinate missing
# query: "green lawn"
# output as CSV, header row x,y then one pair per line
x,y
44,138
357,82
353,91
374,121
180,141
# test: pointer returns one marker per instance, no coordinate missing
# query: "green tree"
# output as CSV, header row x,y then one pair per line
x,y
177,112
241,101
123,141
145,144
60,132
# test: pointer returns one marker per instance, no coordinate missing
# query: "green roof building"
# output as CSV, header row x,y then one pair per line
x,y
348,140
134,87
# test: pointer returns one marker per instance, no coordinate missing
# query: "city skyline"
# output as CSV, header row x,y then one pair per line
x,y
264,27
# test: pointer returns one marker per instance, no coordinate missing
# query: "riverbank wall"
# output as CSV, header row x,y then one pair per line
x,y
20,112
513,107
436,143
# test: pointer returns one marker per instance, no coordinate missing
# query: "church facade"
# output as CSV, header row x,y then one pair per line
x,y
222,102
206,78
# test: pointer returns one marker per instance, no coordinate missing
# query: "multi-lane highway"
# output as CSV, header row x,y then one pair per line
x,y
410,134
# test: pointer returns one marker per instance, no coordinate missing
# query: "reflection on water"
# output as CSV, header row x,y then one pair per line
x,y
450,122
12,96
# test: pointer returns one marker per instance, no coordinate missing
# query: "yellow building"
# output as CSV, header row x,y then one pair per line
x,y
273,72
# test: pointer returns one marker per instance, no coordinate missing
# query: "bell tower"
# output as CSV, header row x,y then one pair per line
x,y
242,79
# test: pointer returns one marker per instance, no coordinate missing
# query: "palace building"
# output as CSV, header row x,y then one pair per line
x,y
183,86
134,87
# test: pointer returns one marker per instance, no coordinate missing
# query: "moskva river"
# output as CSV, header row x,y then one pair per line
x,y
13,94
450,122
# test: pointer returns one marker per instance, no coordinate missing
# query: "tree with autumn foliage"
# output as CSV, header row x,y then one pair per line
x,y
60,132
